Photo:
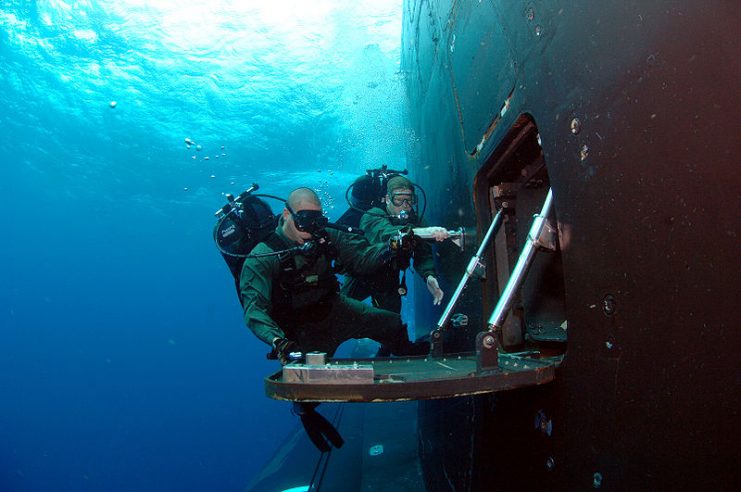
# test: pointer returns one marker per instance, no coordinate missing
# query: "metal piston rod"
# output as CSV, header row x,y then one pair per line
x,y
540,236
436,336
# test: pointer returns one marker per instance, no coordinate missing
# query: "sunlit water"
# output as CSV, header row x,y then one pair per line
x,y
124,362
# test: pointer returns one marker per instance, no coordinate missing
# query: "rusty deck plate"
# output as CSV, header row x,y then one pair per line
x,y
420,378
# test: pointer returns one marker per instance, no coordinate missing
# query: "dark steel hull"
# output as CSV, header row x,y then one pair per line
x,y
637,108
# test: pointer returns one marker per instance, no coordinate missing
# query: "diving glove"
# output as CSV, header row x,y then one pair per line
x,y
285,351
434,287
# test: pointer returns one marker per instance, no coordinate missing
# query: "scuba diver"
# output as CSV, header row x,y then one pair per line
x,y
395,224
284,268
289,290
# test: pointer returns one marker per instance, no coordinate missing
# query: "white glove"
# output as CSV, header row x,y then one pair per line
x,y
439,233
434,288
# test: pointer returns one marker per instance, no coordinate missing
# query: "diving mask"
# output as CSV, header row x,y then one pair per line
x,y
399,199
311,221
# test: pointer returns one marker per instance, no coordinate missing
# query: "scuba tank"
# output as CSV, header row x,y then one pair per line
x,y
242,224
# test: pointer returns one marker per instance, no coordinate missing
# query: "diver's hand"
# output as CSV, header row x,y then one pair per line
x,y
285,350
439,233
434,288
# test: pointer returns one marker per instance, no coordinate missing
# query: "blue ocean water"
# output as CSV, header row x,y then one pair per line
x,y
124,363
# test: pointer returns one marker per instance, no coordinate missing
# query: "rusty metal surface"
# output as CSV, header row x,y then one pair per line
x,y
419,378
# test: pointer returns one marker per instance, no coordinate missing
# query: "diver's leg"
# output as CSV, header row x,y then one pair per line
x,y
315,337
356,288
353,319
390,300
340,323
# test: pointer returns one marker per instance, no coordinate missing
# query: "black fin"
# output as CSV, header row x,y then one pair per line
x,y
322,433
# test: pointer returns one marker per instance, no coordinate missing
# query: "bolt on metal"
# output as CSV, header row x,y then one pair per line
x,y
575,126
489,341
597,480
609,305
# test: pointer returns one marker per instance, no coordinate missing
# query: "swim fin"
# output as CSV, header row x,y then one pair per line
x,y
320,431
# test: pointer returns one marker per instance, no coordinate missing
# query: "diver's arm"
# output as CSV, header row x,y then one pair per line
x,y
357,256
255,286
437,233
381,228
424,265
378,228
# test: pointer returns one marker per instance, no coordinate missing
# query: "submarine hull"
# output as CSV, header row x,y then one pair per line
x,y
628,111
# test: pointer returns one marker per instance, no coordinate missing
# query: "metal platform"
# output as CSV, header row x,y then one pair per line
x,y
406,378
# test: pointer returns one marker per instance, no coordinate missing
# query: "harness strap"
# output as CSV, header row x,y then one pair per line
x,y
292,279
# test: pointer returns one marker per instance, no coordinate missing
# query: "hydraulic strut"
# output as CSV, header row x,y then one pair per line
x,y
541,236
436,336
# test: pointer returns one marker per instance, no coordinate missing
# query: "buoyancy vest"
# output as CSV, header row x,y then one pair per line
x,y
306,283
